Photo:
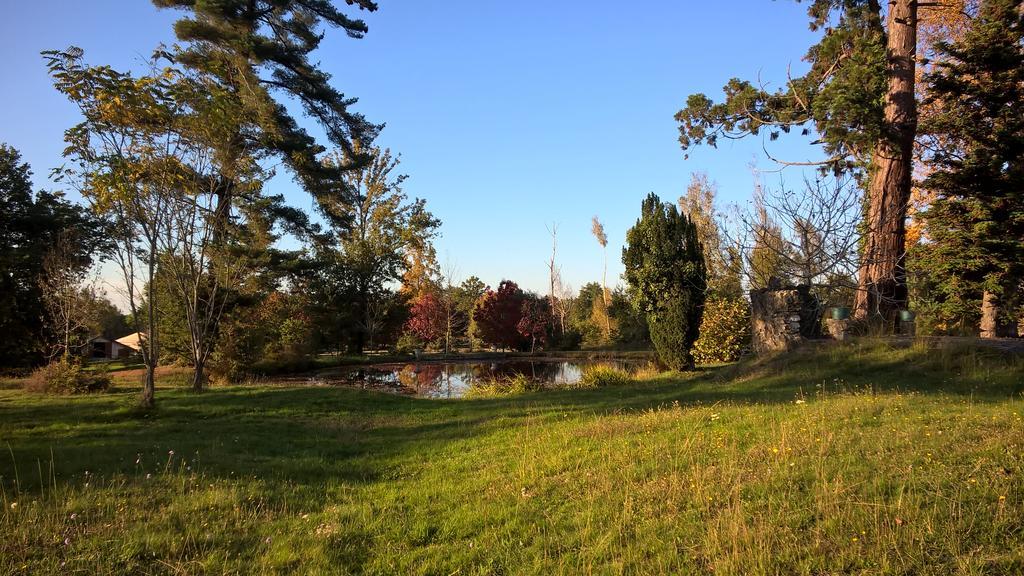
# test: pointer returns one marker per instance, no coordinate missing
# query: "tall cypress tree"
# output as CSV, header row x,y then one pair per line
x,y
667,278
976,222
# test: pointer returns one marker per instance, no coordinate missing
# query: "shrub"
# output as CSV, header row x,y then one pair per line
x,y
66,377
407,343
667,277
724,331
601,375
673,331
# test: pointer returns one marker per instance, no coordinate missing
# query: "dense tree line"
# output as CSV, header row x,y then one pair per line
x,y
878,69
34,223
173,165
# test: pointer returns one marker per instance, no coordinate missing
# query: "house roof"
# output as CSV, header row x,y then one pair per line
x,y
133,341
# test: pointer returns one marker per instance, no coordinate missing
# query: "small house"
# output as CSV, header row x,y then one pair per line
x,y
101,348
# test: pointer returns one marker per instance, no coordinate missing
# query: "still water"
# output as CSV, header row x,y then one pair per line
x,y
452,380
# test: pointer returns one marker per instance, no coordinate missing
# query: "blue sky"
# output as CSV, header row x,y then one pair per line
x,y
509,116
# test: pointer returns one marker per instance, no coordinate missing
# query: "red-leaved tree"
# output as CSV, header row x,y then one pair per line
x,y
427,318
497,315
536,315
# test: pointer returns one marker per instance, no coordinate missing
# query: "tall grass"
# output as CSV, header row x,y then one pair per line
x,y
600,375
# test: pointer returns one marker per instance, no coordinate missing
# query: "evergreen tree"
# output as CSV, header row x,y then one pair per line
x,y
246,50
859,97
666,273
976,222
31,224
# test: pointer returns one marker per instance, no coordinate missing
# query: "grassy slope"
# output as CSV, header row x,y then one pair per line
x,y
894,461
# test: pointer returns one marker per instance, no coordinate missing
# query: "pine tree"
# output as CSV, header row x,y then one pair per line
x,y
976,222
859,97
666,273
248,50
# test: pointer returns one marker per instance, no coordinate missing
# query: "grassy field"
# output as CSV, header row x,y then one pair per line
x,y
844,459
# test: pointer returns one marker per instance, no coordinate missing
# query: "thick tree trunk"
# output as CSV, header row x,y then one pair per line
x,y
149,389
882,279
199,376
990,309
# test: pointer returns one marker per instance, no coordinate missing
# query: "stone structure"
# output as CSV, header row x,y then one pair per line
x,y
781,318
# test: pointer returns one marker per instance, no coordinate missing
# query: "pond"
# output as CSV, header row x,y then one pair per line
x,y
453,379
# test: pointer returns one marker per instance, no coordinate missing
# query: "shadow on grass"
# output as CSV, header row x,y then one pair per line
x,y
310,436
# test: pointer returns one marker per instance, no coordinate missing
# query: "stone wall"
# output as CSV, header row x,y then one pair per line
x,y
781,318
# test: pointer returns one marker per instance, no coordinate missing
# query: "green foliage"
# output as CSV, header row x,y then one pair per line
x,y
354,276
976,222
631,330
273,336
31,224
840,97
465,297
674,328
666,273
66,376
581,319
724,331
244,51
110,321
585,322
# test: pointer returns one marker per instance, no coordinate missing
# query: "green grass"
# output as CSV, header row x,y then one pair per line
x,y
115,365
843,459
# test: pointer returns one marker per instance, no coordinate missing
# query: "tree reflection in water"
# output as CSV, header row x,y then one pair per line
x,y
451,380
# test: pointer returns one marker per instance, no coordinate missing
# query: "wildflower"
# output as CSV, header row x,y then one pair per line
x,y
1001,498
170,452
801,401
